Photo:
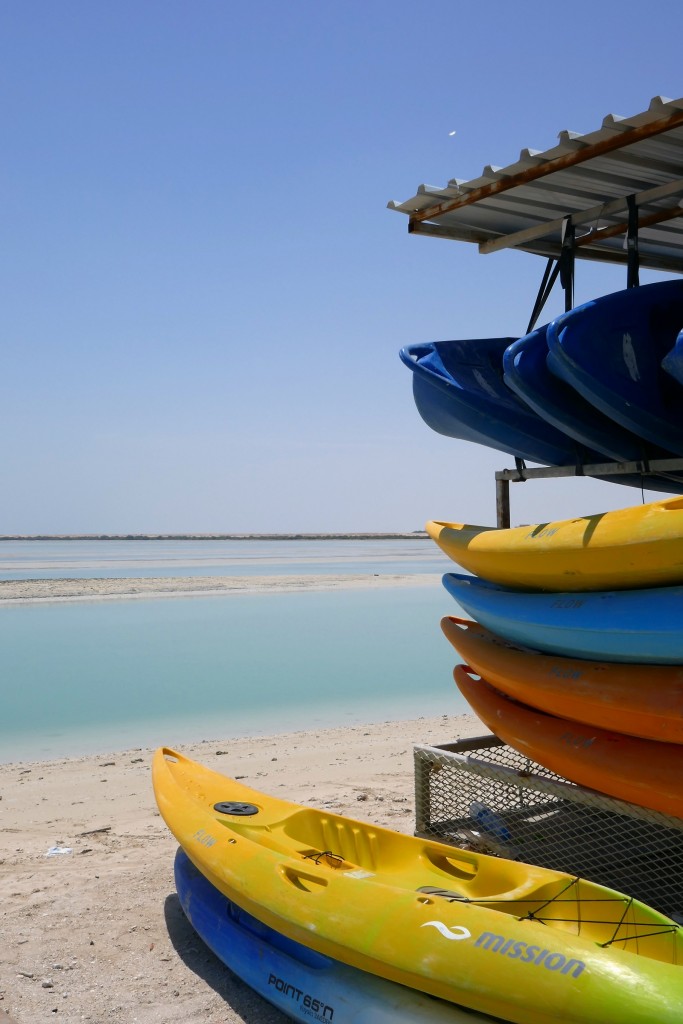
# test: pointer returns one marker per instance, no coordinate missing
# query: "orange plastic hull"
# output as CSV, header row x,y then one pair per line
x,y
640,700
642,772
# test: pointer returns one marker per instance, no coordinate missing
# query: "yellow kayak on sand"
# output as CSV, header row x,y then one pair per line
x,y
635,547
525,944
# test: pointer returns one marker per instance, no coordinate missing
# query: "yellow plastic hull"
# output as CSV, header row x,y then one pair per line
x,y
518,942
641,546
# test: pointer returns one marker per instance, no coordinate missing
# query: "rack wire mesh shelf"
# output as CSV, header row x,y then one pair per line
x,y
481,794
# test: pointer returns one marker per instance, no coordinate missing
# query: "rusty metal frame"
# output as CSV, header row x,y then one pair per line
x,y
522,473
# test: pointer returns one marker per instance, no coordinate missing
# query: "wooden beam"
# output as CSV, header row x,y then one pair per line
x,y
650,195
591,237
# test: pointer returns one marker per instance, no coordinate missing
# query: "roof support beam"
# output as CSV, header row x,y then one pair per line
x,y
595,236
650,195
438,231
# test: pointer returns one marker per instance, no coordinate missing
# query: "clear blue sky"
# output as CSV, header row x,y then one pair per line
x,y
203,293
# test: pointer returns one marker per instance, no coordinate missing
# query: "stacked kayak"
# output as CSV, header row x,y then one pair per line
x,y
587,681
303,984
527,373
643,772
573,652
459,391
575,659
632,547
610,351
484,935
644,701
614,625
602,382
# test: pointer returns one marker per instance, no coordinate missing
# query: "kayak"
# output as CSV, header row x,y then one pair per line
x,y
638,700
610,350
526,944
526,372
642,626
672,363
459,391
305,985
643,772
640,546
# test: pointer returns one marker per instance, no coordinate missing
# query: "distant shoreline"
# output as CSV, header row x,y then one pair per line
x,y
415,535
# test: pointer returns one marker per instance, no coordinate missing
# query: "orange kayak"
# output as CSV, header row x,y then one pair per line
x,y
639,700
643,772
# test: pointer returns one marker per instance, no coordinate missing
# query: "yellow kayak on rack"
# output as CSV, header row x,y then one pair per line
x,y
525,944
635,547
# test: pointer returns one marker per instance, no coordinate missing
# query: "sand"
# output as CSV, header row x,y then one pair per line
x,y
18,591
96,934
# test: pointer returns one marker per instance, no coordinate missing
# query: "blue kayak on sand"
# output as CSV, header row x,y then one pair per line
x,y
459,391
303,984
610,350
642,625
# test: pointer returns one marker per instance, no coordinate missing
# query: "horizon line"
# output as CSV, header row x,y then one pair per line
x,y
337,535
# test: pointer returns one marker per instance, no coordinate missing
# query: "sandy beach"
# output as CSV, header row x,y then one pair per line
x,y
96,934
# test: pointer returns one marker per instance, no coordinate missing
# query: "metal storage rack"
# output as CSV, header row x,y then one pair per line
x,y
612,195
481,794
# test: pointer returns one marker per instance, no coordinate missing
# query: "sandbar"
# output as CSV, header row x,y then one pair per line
x,y
96,934
43,590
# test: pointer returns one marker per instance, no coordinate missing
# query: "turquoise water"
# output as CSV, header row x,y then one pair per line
x,y
108,675
54,559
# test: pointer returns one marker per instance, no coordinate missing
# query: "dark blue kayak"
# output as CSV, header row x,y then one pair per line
x,y
303,984
610,350
526,372
642,626
459,391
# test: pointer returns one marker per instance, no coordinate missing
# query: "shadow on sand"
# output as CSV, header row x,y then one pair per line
x,y
199,959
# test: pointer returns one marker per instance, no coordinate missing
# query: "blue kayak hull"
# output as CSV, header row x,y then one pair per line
x,y
303,984
610,350
643,626
526,372
459,391
672,362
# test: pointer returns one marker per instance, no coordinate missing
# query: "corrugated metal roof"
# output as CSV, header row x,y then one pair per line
x,y
588,177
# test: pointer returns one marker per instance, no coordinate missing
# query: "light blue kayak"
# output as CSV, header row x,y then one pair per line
x,y
303,984
644,625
